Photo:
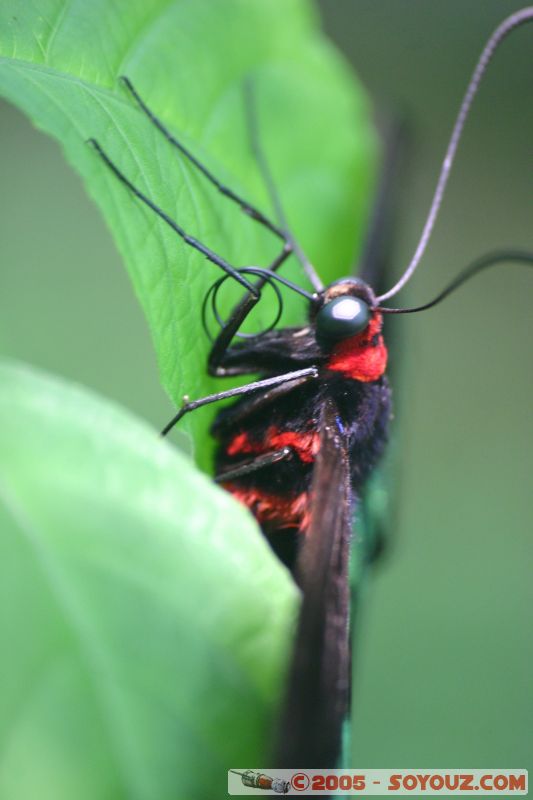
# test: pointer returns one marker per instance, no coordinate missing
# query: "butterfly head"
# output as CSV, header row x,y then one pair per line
x,y
348,328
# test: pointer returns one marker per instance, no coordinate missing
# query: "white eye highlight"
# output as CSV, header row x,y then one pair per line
x,y
347,308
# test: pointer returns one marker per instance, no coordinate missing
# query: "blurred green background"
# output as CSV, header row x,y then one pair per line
x,y
444,669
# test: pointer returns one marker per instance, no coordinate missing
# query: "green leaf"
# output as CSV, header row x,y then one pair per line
x,y
144,634
59,62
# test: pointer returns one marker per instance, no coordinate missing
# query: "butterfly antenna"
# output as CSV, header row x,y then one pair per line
x,y
488,260
521,17
258,152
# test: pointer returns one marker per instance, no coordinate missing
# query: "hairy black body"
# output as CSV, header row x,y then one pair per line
x,y
363,412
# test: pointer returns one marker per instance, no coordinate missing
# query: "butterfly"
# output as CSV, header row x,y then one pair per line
x,y
298,445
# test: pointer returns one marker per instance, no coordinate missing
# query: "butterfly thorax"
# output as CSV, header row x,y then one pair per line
x,y
285,422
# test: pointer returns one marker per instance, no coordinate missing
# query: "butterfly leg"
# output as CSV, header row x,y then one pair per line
x,y
243,308
237,414
234,322
254,464
244,205
310,373
253,289
190,240
264,168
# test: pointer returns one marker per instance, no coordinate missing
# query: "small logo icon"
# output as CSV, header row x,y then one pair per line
x,y
258,780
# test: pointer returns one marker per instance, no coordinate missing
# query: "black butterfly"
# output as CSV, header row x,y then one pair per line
x,y
299,444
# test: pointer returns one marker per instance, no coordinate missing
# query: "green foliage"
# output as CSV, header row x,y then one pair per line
x,y
145,624
144,633
60,61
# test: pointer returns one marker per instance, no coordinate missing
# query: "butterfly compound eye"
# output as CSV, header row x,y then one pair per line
x,y
341,318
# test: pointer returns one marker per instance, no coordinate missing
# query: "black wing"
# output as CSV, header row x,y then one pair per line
x,y
318,692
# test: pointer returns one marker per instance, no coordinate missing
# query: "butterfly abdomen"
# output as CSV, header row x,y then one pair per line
x,y
278,493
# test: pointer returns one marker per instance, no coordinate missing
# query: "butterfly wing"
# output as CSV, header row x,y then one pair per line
x,y
318,693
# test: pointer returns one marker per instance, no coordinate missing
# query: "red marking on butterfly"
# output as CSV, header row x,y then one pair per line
x,y
291,511
362,357
305,444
